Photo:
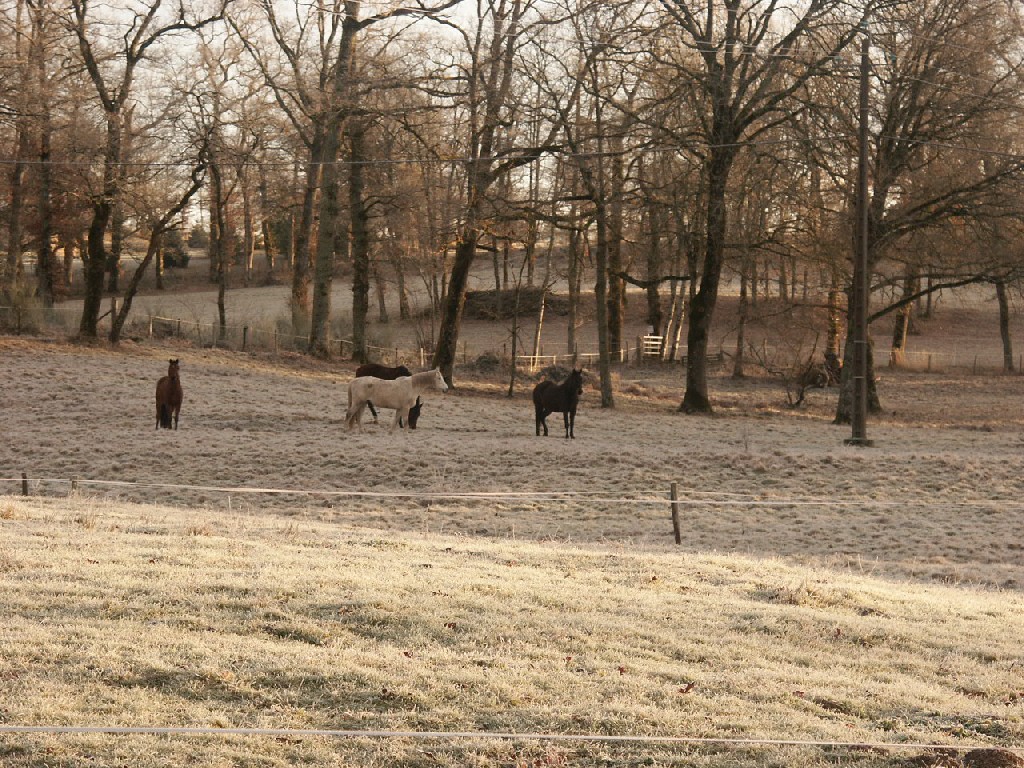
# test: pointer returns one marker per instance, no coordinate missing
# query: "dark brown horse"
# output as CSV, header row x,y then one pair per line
x,y
168,397
382,372
549,397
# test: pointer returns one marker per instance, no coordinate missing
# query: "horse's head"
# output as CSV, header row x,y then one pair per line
x,y
439,383
414,413
576,381
403,371
172,368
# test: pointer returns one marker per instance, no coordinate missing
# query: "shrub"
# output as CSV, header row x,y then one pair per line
x,y
21,311
175,252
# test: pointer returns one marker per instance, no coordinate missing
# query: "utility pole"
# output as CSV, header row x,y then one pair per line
x,y
860,269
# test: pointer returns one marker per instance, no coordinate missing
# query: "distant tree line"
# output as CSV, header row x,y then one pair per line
x,y
671,144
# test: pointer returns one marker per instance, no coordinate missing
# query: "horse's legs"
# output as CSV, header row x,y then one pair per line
x,y
399,413
372,411
568,426
158,416
176,412
542,420
572,423
356,419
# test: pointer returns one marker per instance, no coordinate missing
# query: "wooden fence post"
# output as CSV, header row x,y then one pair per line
x,y
24,484
245,336
674,495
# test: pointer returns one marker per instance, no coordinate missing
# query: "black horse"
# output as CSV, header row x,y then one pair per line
x,y
549,397
382,372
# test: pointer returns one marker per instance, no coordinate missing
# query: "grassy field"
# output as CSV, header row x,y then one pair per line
x,y
261,568
128,615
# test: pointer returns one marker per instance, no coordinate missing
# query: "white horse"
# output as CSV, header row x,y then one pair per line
x,y
399,394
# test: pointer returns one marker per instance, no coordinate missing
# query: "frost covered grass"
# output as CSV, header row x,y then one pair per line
x,y
821,592
137,615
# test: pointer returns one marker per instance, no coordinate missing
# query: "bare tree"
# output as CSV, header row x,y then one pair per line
x,y
491,106
741,65
112,71
938,112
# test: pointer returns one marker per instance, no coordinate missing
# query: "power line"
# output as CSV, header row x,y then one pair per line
x,y
709,499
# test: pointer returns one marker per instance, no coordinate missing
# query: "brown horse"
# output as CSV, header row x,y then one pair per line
x,y
168,397
382,372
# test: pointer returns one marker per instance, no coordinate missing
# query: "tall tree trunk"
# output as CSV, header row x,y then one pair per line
x,y
117,222
248,242
158,267
678,313
381,291
360,244
489,95
213,211
614,233
300,304
496,265
540,326
573,277
69,265
1004,325
117,214
95,259
270,247
13,265
737,363
334,133
655,316
219,246
455,301
834,312
10,270
702,306
601,300
667,348
46,264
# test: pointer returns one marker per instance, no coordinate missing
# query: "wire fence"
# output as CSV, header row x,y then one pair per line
x,y
720,741
38,485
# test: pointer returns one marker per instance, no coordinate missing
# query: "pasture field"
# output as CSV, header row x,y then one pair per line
x,y
820,592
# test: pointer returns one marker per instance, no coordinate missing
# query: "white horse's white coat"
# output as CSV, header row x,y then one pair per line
x,y
399,394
